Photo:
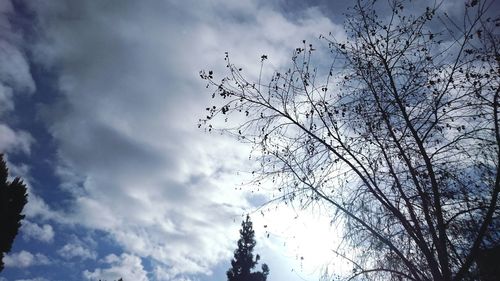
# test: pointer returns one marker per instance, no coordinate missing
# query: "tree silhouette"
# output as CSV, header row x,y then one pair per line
x,y
243,262
400,136
13,197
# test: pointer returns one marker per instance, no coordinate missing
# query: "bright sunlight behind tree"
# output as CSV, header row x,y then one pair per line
x,y
400,136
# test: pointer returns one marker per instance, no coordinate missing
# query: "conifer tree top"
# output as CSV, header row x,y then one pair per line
x,y
13,198
243,262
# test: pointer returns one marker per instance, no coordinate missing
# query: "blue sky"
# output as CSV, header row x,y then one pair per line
x,y
99,102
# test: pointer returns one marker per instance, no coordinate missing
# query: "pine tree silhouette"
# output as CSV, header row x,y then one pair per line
x,y
243,262
13,197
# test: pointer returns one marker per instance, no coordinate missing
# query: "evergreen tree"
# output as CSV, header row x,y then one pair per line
x,y
243,262
13,197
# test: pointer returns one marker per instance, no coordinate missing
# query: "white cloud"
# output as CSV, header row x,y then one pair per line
x,y
14,68
13,140
44,233
25,259
126,266
77,250
6,99
15,78
36,208
129,150
15,74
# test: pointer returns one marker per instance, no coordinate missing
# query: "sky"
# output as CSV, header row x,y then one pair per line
x,y
99,104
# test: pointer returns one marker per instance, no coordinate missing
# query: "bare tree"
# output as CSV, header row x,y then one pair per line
x,y
400,136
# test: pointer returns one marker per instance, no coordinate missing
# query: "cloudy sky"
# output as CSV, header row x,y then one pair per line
x,y
99,105
99,102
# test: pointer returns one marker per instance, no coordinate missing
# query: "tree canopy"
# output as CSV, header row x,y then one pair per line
x,y
243,263
13,198
399,134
